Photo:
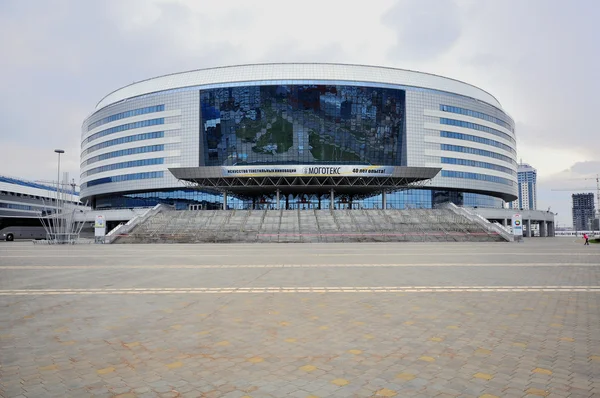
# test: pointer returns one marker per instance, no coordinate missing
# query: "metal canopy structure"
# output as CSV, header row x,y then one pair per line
x,y
252,186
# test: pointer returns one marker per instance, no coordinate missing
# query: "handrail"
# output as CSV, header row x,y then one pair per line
x,y
496,223
482,221
299,223
317,222
137,220
335,220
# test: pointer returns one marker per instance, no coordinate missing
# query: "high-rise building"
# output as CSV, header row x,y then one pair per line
x,y
583,211
527,177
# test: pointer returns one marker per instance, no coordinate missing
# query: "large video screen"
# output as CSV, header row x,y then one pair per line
x,y
302,124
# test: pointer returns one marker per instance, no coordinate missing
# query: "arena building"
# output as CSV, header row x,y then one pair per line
x,y
298,135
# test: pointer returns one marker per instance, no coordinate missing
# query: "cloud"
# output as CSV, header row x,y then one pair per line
x,y
586,168
423,30
295,51
58,66
536,57
40,163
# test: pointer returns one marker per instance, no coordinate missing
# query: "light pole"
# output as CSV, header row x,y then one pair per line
x,y
59,151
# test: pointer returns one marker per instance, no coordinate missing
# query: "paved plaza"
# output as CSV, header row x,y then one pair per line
x,y
301,320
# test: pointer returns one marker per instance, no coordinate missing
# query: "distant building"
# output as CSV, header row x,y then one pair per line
x,y
527,177
583,211
21,198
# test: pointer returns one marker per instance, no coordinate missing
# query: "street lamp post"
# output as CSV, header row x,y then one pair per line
x,y
58,206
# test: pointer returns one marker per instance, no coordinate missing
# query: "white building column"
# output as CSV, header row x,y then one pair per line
x,y
542,226
224,200
383,200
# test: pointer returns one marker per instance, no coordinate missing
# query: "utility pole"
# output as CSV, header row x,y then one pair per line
x,y
58,197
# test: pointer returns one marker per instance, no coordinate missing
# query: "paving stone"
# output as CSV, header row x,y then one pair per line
x,y
257,344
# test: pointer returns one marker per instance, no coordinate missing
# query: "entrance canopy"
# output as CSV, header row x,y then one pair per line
x,y
359,181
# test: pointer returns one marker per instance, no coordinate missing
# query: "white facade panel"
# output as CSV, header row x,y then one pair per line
x,y
465,118
127,133
469,169
142,169
437,154
132,119
456,129
129,158
470,144
292,72
134,144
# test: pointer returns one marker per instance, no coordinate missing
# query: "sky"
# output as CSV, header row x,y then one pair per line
x,y
539,58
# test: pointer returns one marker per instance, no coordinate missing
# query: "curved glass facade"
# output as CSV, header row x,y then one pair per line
x,y
181,199
302,124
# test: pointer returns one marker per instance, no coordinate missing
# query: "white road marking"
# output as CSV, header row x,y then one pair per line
x,y
326,289
226,266
245,254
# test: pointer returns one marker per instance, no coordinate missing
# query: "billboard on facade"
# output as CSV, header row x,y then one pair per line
x,y
308,171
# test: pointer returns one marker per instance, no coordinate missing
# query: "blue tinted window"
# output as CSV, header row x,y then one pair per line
x,y
129,138
181,198
123,115
476,176
479,127
123,165
475,151
16,206
479,115
124,152
474,138
475,163
124,177
123,127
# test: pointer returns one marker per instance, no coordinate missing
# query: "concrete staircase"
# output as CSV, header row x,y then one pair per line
x,y
372,225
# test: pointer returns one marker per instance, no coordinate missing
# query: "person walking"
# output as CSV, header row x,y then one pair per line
x,y
586,237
